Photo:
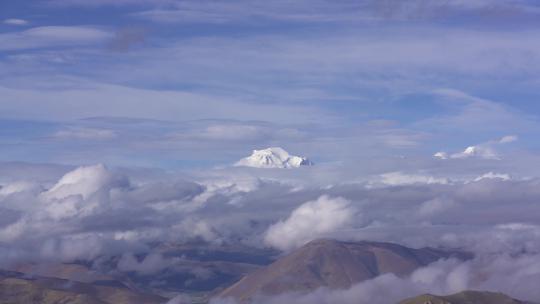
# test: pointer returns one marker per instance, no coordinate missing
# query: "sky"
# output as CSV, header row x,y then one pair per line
x,y
120,121
421,118
199,84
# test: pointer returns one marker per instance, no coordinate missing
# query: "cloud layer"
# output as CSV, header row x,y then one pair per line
x,y
96,205
94,211
311,220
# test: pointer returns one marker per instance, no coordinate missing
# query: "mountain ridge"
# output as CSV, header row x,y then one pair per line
x,y
333,264
464,297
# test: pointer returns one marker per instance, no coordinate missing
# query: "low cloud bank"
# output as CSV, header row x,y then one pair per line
x,y
116,210
94,211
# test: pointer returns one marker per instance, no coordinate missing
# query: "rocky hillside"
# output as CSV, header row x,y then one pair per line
x,y
18,288
333,264
465,297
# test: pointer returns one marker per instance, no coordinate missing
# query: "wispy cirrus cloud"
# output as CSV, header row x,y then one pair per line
x,y
332,80
52,36
16,22
85,134
97,99
367,11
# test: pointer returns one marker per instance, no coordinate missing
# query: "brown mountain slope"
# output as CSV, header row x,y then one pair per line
x,y
196,268
334,264
465,297
72,272
24,291
16,288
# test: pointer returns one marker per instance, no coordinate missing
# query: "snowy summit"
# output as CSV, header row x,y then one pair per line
x,y
274,157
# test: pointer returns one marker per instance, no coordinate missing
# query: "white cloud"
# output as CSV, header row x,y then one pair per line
x,y
15,21
17,187
313,219
519,227
400,178
71,196
83,181
492,175
236,205
508,139
85,133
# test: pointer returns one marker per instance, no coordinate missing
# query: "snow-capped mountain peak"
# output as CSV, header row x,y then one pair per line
x,y
441,155
472,150
478,151
274,157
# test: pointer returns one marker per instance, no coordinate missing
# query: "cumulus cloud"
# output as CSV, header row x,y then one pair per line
x,y
83,181
313,219
94,210
17,187
82,215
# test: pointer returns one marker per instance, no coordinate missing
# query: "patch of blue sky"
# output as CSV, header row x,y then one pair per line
x,y
412,77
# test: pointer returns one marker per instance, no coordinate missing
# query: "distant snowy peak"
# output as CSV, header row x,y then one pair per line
x,y
470,152
484,152
274,157
441,155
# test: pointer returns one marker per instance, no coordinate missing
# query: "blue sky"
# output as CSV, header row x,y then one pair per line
x,y
120,121
183,84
